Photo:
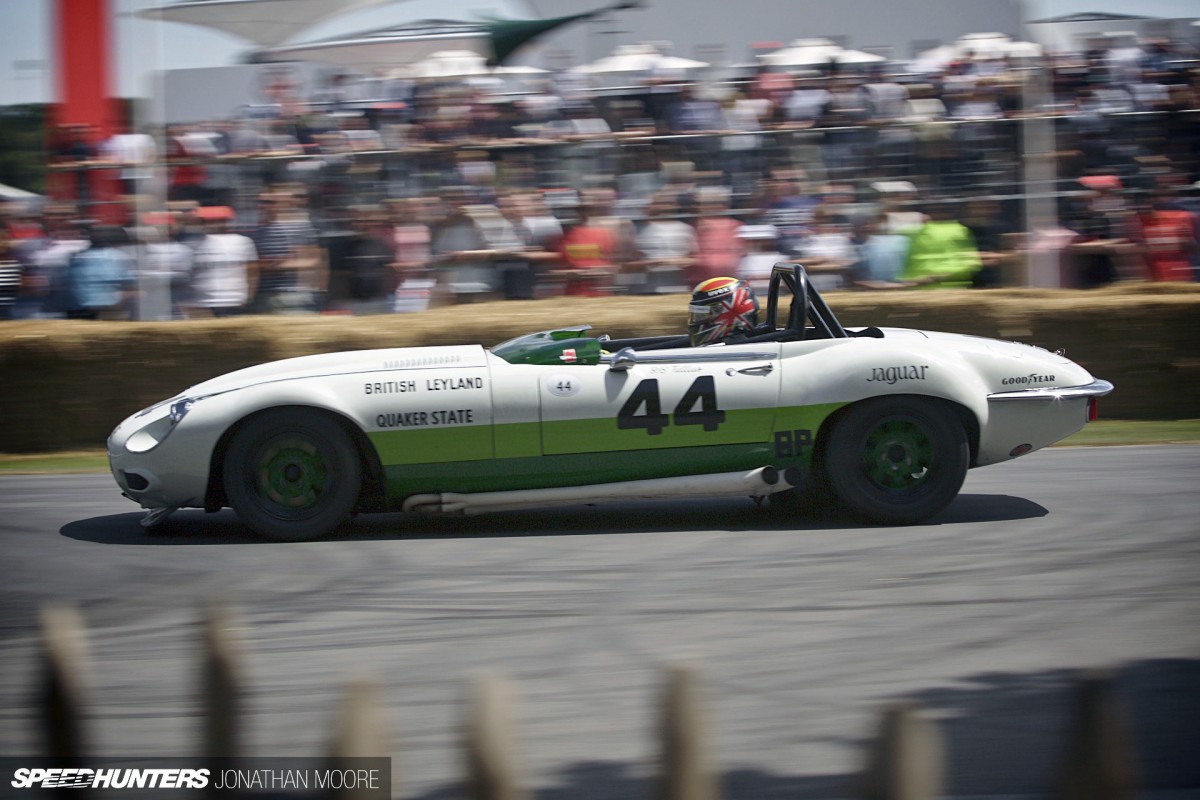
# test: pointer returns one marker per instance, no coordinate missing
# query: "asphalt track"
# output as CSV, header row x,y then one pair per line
x,y
1065,560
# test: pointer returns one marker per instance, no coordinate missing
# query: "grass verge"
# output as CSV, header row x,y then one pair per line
x,y
1098,434
1109,432
68,462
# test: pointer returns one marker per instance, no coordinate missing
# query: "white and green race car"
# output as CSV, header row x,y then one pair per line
x,y
885,422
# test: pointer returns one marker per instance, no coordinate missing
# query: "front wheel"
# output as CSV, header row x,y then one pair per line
x,y
897,460
292,474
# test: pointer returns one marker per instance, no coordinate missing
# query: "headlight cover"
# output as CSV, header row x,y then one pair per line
x,y
180,408
153,408
153,434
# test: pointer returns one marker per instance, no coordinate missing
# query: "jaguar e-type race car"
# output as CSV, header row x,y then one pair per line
x,y
885,422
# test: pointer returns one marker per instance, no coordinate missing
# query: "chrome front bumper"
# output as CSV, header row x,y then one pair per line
x,y
1096,388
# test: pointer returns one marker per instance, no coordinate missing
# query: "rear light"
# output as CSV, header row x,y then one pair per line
x,y
1093,409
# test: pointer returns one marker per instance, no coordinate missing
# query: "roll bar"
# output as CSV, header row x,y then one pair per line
x,y
807,305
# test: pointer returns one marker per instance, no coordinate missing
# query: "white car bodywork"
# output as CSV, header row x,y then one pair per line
x,y
462,421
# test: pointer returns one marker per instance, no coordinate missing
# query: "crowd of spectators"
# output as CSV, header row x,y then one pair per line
x,y
417,194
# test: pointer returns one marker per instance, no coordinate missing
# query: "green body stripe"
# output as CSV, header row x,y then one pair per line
x,y
518,440
435,445
576,469
603,435
460,459
804,417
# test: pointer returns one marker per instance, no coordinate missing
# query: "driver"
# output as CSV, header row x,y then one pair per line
x,y
721,309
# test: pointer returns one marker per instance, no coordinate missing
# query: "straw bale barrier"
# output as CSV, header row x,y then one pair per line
x,y
66,384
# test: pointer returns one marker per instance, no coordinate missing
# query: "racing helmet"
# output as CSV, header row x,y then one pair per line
x,y
720,307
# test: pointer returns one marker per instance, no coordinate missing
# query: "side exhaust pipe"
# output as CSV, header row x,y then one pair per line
x,y
760,482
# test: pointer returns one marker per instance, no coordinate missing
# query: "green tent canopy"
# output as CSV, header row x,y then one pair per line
x,y
509,35
495,39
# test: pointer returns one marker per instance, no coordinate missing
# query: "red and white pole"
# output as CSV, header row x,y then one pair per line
x,y
83,94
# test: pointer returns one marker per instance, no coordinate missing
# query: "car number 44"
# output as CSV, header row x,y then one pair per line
x,y
698,406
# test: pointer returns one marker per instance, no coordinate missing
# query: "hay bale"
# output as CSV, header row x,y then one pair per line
x,y
67,384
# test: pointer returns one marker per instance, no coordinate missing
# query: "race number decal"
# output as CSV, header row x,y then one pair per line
x,y
645,393
563,385
698,406
703,391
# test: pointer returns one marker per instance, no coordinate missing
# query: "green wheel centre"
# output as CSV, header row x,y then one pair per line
x,y
897,455
291,473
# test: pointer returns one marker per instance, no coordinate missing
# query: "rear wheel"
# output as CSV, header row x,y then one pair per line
x,y
897,460
292,474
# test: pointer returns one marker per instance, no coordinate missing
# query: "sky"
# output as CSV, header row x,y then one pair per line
x,y
144,46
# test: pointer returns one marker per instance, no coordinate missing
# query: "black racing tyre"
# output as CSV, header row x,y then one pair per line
x,y
897,460
292,475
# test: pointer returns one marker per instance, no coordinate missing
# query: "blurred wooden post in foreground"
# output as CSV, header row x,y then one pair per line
x,y
1098,759
360,731
687,773
61,695
220,684
906,760
489,741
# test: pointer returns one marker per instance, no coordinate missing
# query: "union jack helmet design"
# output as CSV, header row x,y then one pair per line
x,y
720,307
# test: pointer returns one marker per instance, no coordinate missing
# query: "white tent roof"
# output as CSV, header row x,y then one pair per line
x,y
518,69
985,45
638,58
859,57
936,58
1070,33
974,45
446,64
814,52
264,22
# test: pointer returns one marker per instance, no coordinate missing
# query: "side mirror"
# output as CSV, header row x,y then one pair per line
x,y
622,360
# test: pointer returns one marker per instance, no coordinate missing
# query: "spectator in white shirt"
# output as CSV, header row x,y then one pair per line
x,y
764,253
667,247
136,152
223,269
827,252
